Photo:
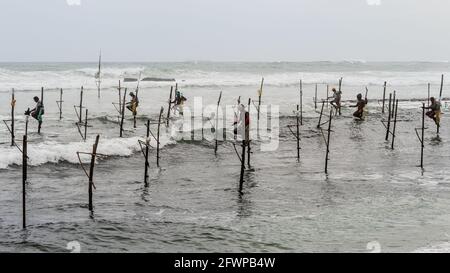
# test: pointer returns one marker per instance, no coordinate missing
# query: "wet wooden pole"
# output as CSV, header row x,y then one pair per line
x,y
123,112
328,94
170,107
395,124
429,90
85,125
328,141
423,136
120,96
217,122
442,87
81,106
158,144
42,102
301,103
315,98
393,104
321,113
60,103
91,172
247,136
24,181
298,137
384,97
241,178
13,106
388,126
147,142
259,98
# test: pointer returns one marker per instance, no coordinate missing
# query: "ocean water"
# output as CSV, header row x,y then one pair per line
x,y
192,204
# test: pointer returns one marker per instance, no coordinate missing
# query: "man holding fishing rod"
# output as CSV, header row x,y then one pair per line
x,y
435,111
336,102
360,103
37,112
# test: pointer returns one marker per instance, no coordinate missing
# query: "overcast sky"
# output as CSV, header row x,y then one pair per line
x,y
225,30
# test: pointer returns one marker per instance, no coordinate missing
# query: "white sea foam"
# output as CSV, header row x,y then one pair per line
x,y
54,152
438,248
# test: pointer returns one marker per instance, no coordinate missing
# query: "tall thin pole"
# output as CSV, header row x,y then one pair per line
x,y
157,140
298,136
91,172
60,103
24,180
389,118
321,113
328,141
384,97
85,125
423,135
170,107
395,125
241,178
217,122
123,112
13,106
259,97
301,102
442,87
328,92
247,134
146,154
120,96
81,106
315,98
393,103
429,90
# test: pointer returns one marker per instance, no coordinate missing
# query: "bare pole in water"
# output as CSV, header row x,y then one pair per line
x,y
298,137
13,106
24,180
247,136
98,75
59,103
328,91
429,90
123,112
321,113
442,87
81,106
301,102
315,98
384,97
241,178
158,138
259,97
328,141
91,171
147,142
170,107
395,124
85,125
393,104
423,136
120,96
389,118
42,102
217,121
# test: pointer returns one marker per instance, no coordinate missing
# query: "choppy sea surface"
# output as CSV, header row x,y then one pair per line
x,y
371,194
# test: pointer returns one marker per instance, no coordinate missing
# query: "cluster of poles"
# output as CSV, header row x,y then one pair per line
x,y
245,163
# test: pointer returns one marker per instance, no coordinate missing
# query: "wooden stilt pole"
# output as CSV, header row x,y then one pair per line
x,y
170,107
259,98
241,178
321,113
389,118
384,97
24,180
315,98
301,102
442,87
13,106
328,141
429,90
147,142
395,124
91,172
60,103
85,125
80,118
159,133
42,102
217,122
247,136
123,112
393,104
120,96
423,136
298,137
328,94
